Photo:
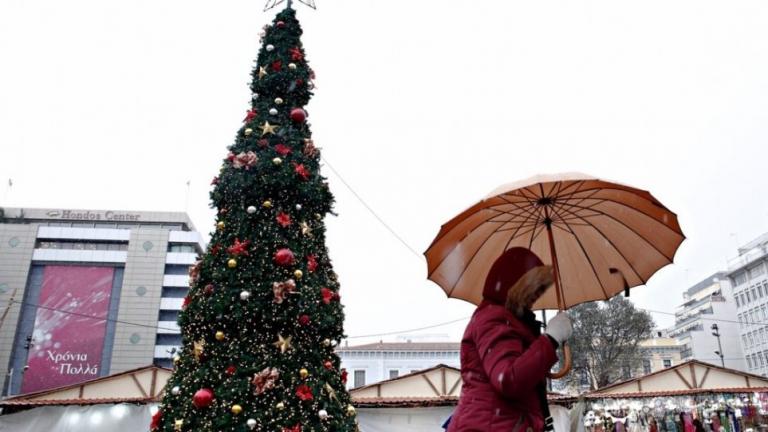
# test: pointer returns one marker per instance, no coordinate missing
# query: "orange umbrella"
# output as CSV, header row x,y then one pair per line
x,y
600,237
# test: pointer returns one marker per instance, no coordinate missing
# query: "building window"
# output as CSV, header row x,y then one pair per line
x,y
626,372
393,373
180,247
740,278
743,299
81,245
177,269
667,363
584,378
359,378
738,303
760,290
747,294
749,362
646,366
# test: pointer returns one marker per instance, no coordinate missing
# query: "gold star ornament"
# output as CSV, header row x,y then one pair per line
x,y
198,349
178,424
283,344
267,128
262,72
305,229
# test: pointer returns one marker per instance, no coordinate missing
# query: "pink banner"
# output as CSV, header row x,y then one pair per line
x,y
67,343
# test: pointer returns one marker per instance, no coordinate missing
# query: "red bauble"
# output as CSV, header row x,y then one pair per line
x,y
231,370
298,115
304,320
186,302
280,24
344,376
209,289
311,263
327,294
203,398
284,257
277,65
328,364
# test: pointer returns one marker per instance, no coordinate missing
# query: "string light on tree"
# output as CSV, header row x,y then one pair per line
x,y
262,308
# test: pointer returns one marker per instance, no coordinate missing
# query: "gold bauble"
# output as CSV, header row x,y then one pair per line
x,y
220,225
232,263
303,373
219,335
280,406
277,161
351,410
236,409
298,274
248,131
176,358
267,204
327,342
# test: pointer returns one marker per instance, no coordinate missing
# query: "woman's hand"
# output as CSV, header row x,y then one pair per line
x,y
560,328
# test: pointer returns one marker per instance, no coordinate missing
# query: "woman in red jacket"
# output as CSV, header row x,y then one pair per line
x,y
504,356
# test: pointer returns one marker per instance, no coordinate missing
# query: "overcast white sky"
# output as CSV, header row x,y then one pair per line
x,y
422,106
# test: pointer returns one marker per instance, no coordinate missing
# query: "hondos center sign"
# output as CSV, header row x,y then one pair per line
x,y
107,215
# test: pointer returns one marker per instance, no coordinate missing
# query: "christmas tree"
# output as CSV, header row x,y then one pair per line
x,y
263,315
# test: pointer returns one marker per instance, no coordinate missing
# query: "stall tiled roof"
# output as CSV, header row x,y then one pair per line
x,y
44,402
59,396
405,402
676,393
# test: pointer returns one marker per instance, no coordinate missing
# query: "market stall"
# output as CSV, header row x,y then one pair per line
x,y
688,397
121,402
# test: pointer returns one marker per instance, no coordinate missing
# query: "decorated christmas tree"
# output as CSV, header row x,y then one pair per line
x,y
263,315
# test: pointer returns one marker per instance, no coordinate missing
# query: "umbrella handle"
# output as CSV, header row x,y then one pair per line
x,y
567,363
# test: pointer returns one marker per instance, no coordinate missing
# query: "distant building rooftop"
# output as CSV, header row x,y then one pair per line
x,y
659,342
404,346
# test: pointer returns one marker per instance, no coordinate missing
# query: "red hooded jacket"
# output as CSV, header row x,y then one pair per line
x,y
503,361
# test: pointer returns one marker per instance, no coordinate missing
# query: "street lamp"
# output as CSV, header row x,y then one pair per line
x,y
719,352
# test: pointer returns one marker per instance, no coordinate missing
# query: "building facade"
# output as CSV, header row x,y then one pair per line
x,y
749,280
709,309
88,293
375,362
657,354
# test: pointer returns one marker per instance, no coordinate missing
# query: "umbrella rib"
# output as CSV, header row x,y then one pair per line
x,y
623,224
602,200
469,261
465,236
621,254
589,259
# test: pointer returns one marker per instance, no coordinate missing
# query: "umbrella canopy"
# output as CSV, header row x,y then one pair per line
x,y
601,238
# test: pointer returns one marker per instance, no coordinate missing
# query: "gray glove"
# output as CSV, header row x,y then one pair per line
x,y
560,327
